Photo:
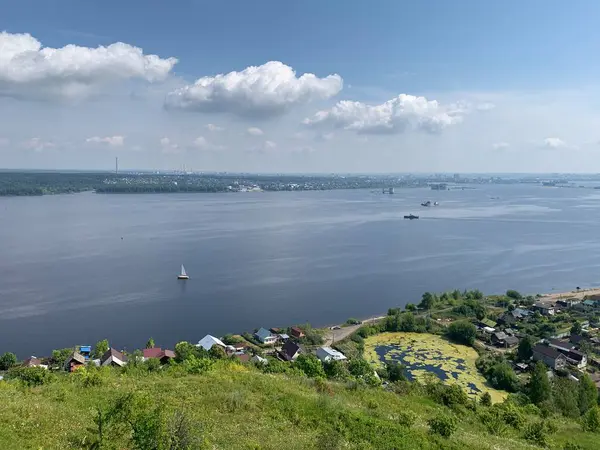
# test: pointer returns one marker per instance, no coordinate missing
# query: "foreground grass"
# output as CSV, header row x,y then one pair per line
x,y
234,407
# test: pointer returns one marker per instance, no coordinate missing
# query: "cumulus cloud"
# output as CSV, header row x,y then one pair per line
x,y
30,71
500,145
214,128
553,142
268,90
253,131
402,113
201,143
37,144
112,141
168,146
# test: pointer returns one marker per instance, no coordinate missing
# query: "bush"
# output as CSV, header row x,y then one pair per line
x,y
591,420
462,332
492,420
536,432
30,376
443,425
407,418
395,371
8,360
310,365
451,395
486,399
515,295
512,416
197,366
353,321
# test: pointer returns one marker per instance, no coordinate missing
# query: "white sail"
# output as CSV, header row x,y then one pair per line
x,y
183,274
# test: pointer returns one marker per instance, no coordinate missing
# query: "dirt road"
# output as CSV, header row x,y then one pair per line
x,y
332,336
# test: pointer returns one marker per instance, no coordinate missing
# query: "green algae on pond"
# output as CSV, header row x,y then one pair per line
x,y
424,354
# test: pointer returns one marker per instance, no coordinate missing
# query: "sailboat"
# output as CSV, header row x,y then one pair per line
x,y
183,275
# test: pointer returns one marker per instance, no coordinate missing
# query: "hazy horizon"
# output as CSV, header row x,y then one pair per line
x,y
425,87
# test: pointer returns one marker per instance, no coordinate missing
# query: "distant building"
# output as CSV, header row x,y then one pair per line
x,y
208,341
265,336
85,350
113,357
290,351
544,309
504,340
164,356
562,346
326,354
32,361
296,332
549,356
75,361
259,359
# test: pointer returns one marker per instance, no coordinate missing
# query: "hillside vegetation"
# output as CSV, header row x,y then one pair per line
x,y
231,406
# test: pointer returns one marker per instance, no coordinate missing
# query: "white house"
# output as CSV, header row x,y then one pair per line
x,y
326,354
259,359
208,341
113,358
265,336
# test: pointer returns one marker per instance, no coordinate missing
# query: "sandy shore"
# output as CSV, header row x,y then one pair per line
x,y
551,297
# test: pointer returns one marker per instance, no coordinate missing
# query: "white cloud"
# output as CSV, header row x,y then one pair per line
x,y
267,90
213,127
402,113
553,142
487,106
253,131
112,141
270,145
500,145
30,71
202,143
168,146
37,144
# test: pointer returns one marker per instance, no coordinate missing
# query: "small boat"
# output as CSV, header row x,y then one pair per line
x,y
436,203
183,275
427,203
411,217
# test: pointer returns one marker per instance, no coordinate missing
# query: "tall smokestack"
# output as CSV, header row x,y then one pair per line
x,y
116,165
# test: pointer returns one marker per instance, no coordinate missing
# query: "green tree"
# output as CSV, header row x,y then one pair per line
x,y
565,395
59,357
462,331
539,386
591,420
502,376
217,352
576,328
184,350
486,399
525,349
336,370
310,365
150,343
8,360
442,424
456,294
411,307
588,394
360,368
515,295
427,301
395,371
100,349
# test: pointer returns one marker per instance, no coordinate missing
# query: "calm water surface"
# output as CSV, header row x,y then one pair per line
x,y
77,268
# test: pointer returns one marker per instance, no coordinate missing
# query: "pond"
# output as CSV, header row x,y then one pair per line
x,y
424,354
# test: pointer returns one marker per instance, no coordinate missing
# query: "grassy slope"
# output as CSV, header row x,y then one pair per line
x,y
242,408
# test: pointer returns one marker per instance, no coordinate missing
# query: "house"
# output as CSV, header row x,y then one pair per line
x,y
283,337
265,336
74,362
507,319
568,302
544,309
163,355
326,354
520,313
296,332
276,330
85,350
32,361
242,357
577,359
489,323
259,359
562,346
502,339
549,356
113,358
208,341
290,351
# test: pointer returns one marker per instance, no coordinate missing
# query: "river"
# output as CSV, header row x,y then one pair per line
x,y
78,268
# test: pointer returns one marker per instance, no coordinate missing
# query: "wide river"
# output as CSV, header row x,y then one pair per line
x,y
78,268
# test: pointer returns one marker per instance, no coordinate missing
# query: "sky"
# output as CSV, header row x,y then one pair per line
x,y
312,86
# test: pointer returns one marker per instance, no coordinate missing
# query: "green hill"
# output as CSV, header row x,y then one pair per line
x,y
239,407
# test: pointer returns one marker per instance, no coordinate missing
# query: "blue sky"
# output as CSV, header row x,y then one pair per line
x,y
527,71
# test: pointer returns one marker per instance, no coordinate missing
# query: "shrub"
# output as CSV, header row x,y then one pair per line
x,y
310,365
30,376
591,420
443,425
195,365
462,332
486,399
492,420
451,395
353,321
8,360
512,416
515,295
536,432
407,418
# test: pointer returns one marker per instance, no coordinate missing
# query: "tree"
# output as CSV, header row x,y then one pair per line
x,y
442,424
8,360
184,350
462,331
150,343
515,295
427,301
588,395
502,376
59,357
486,399
360,368
310,365
395,371
101,348
539,385
576,328
217,352
591,420
336,370
525,349
411,307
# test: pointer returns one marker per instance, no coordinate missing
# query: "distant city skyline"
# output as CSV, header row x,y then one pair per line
x,y
422,87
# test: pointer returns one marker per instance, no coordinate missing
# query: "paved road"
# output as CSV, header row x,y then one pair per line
x,y
337,335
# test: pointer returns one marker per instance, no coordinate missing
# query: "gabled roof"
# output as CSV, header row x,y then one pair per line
x,y
328,352
32,361
575,355
289,350
208,341
77,357
115,354
488,323
167,354
541,305
152,352
263,334
511,340
561,344
500,335
522,312
547,351
260,359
